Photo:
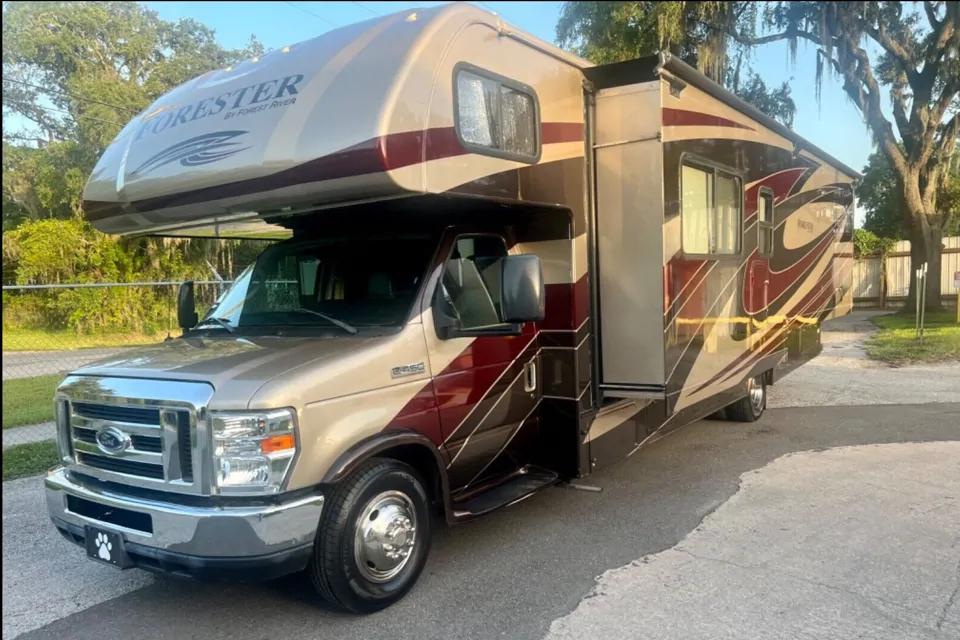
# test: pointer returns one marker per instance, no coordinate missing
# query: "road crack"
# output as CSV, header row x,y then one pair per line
x,y
950,601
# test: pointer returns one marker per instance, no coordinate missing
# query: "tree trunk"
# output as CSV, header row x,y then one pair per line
x,y
926,246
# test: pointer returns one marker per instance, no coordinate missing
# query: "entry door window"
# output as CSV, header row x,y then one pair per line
x,y
765,223
469,289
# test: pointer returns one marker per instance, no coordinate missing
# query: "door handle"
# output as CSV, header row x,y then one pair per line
x,y
530,376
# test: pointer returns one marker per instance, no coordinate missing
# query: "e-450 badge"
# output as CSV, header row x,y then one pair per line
x,y
405,370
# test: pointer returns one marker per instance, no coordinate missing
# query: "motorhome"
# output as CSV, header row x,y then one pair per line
x,y
498,267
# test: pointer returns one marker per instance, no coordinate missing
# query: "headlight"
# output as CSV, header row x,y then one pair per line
x,y
252,451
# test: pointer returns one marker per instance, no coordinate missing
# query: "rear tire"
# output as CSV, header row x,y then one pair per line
x,y
751,407
373,538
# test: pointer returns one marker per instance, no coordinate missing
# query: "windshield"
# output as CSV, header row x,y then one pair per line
x,y
339,284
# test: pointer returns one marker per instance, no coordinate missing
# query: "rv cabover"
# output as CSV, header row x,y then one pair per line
x,y
502,268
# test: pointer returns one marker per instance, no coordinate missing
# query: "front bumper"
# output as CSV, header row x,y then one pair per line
x,y
260,541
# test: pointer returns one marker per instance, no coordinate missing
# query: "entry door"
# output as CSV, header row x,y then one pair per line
x,y
758,288
486,372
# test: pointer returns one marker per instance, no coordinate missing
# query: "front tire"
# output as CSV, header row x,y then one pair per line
x,y
751,407
373,538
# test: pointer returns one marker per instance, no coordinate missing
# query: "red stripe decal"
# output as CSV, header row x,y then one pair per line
x,y
780,183
683,118
385,153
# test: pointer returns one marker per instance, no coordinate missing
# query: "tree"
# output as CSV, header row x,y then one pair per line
x,y
912,54
606,32
75,73
881,195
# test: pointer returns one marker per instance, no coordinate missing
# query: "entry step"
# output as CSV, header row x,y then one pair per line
x,y
525,482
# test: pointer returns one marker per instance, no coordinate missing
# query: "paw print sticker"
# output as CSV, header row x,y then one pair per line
x,y
104,546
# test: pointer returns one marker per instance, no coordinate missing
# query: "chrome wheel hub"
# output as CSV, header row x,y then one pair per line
x,y
386,536
756,394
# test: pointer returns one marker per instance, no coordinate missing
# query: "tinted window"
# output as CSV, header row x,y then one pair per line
x,y
363,281
496,115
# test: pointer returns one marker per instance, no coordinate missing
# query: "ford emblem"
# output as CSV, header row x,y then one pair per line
x,y
112,441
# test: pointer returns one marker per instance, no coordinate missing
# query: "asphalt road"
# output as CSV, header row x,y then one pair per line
x,y
26,364
507,576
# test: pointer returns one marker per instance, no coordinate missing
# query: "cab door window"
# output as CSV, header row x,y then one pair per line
x,y
468,294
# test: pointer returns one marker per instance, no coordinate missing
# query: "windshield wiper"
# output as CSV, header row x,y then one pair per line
x,y
222,322
340,323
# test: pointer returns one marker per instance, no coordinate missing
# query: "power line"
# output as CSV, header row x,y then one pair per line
x,y
70,95
81,115
366,8
315,15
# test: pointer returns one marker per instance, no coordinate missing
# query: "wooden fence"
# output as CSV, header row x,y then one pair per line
x,y
871,289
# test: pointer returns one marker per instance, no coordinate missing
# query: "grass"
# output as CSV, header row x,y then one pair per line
x,y
29,459
44,340
896,342
29,400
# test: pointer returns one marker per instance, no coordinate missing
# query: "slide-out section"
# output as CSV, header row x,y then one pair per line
x,y
629,240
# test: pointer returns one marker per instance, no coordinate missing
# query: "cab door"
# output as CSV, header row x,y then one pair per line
x,y
486,373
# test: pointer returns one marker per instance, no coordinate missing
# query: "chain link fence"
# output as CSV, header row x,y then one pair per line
x,y
50,330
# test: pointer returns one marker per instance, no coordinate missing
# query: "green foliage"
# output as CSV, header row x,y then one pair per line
x,y
897,343
866,243
29,400
71,251
29,459
882,197
776,103
697,32
880,193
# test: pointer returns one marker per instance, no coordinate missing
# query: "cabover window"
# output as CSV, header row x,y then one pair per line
x,y
711,210
496,117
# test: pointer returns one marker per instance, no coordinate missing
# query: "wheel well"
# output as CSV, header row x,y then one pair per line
x,y
425,462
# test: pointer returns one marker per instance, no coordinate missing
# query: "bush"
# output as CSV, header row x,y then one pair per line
x,y
73,252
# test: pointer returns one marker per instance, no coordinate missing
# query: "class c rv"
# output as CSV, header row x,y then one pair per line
x,y
497,267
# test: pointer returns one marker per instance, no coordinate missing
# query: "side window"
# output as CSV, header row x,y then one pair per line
x,y
469,289
711,210
308,276
497,116
765,223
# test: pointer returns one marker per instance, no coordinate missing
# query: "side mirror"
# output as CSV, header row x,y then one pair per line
x,y
522,289
186,307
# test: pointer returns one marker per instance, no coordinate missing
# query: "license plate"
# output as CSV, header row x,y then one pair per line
x,y
106,547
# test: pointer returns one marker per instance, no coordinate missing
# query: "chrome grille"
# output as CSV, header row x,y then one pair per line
x,y
160,428
119,465
143,456
117,413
